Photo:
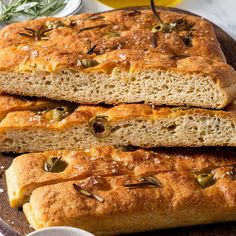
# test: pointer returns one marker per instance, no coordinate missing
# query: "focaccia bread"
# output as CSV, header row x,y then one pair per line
x,y
129,124
30,171
122,56
108,191
9,103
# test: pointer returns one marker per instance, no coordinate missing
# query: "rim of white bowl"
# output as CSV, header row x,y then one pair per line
x,y
71,8
60,229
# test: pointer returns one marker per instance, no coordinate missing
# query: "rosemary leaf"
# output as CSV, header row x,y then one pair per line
x,y
153,8
91,50
87,193
93,27
154,40
179,57
144,182
94,16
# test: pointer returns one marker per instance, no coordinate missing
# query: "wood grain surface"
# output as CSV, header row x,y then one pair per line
x,y
14,223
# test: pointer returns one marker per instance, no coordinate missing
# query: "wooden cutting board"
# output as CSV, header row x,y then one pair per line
x,y
14,223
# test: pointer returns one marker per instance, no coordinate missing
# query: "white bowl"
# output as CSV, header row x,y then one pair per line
x,y
60,231
71,8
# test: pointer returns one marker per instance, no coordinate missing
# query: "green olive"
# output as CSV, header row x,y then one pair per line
x,y
55,165
87,63
205,179
99,126
165,28
59,113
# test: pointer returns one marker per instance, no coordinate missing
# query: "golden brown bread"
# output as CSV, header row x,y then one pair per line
x,y
128,124
130,63
179,199
10,103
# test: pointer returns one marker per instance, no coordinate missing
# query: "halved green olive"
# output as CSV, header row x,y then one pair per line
x,y
205,179
99,126
55,164
87,63
58,113
165,28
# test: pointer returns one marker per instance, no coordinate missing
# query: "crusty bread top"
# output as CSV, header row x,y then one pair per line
x,y
10,103
111,161
123,38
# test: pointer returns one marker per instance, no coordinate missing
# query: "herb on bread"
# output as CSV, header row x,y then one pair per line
x,y
40,34
179,57
94,16
87,193
154,40
91,50
55,164
93,27
177,25
144,182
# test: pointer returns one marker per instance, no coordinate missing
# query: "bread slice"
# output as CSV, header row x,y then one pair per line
x,y
29,171
10,103
129,124
122,56
122,192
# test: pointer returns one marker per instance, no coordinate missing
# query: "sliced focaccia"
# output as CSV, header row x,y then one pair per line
x,y
129,124
109,191
30,171
122,56
9,103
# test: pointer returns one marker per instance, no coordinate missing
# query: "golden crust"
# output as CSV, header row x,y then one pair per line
x,y
10,103
105,170
27,171
123,40
82,114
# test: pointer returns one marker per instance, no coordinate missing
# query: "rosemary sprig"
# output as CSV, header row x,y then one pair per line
x,y
145,181
94,16
93,27
39,34
87,193
91,50
153,8
179,56
14,10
